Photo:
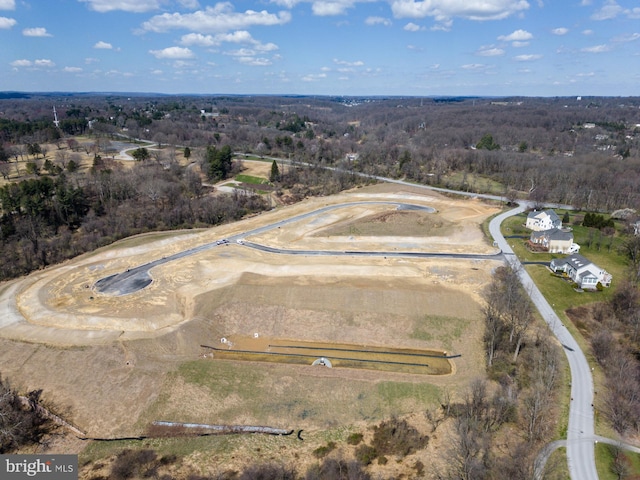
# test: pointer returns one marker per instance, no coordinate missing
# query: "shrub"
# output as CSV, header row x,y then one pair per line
x,y
334,469
20,424
397,437
323,451
354,438
269,471
132,463
366,454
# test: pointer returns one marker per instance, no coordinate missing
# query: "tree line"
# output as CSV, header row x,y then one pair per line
x,y
48,219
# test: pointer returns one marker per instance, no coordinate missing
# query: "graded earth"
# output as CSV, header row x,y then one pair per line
x,y
115,363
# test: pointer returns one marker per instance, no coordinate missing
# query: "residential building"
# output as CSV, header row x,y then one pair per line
x,y
583,272
555,240
539,220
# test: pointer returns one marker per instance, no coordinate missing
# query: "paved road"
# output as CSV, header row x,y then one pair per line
x,y
137,278
580,433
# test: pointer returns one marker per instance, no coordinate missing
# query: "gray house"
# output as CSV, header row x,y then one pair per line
x,y
555,240
582,271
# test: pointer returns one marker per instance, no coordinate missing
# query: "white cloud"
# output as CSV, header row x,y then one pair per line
x,y
103,45
527,58
219,18
254,62
198,40
357,63
474,66
628,37
173,53
72,69
44,62
7,22
192,4
21,63
444,10
36,32
560,31
516,36
239,36
412,27
135,6
587,32
314,77
608,11
326,8
596,49
323,7
243,52
286,3
490,52
7,4
378,21
519,44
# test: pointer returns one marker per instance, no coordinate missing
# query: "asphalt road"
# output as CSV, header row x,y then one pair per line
x,y
137,278
580,433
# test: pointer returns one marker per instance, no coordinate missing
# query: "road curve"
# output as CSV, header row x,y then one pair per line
x,y
137,278
580,432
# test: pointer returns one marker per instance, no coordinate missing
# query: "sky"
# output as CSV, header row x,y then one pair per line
x,y
323,47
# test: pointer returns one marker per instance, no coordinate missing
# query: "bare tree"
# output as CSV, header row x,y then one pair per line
x,y
62,156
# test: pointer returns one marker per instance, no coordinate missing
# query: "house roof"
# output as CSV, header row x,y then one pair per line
x,y
558,234
577,261
540,214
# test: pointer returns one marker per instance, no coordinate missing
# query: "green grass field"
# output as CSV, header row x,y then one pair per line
x,y
472,182
605,463
251,179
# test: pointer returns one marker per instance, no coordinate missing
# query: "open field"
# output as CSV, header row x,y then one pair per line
x,y
117,363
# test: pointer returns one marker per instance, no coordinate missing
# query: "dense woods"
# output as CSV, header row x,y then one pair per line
x,y
48,219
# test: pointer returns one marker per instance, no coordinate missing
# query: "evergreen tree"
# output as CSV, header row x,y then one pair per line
x,y
487,143
275,172
219,162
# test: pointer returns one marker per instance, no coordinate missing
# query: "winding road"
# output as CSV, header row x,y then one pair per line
x,y
137,278
580,433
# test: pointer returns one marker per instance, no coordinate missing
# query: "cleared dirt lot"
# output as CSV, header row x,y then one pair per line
x,y
118,363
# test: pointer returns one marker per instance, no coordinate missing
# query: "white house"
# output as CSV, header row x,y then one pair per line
x,y
555,240
585,273
543,220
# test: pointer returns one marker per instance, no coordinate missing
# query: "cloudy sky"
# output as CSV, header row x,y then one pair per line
x,y
327,47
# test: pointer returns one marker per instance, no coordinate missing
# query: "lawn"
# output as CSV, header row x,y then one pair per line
x,y
251,179
472,182
604,251
605,462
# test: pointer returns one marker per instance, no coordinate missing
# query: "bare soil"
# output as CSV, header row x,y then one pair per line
x,y
114,364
